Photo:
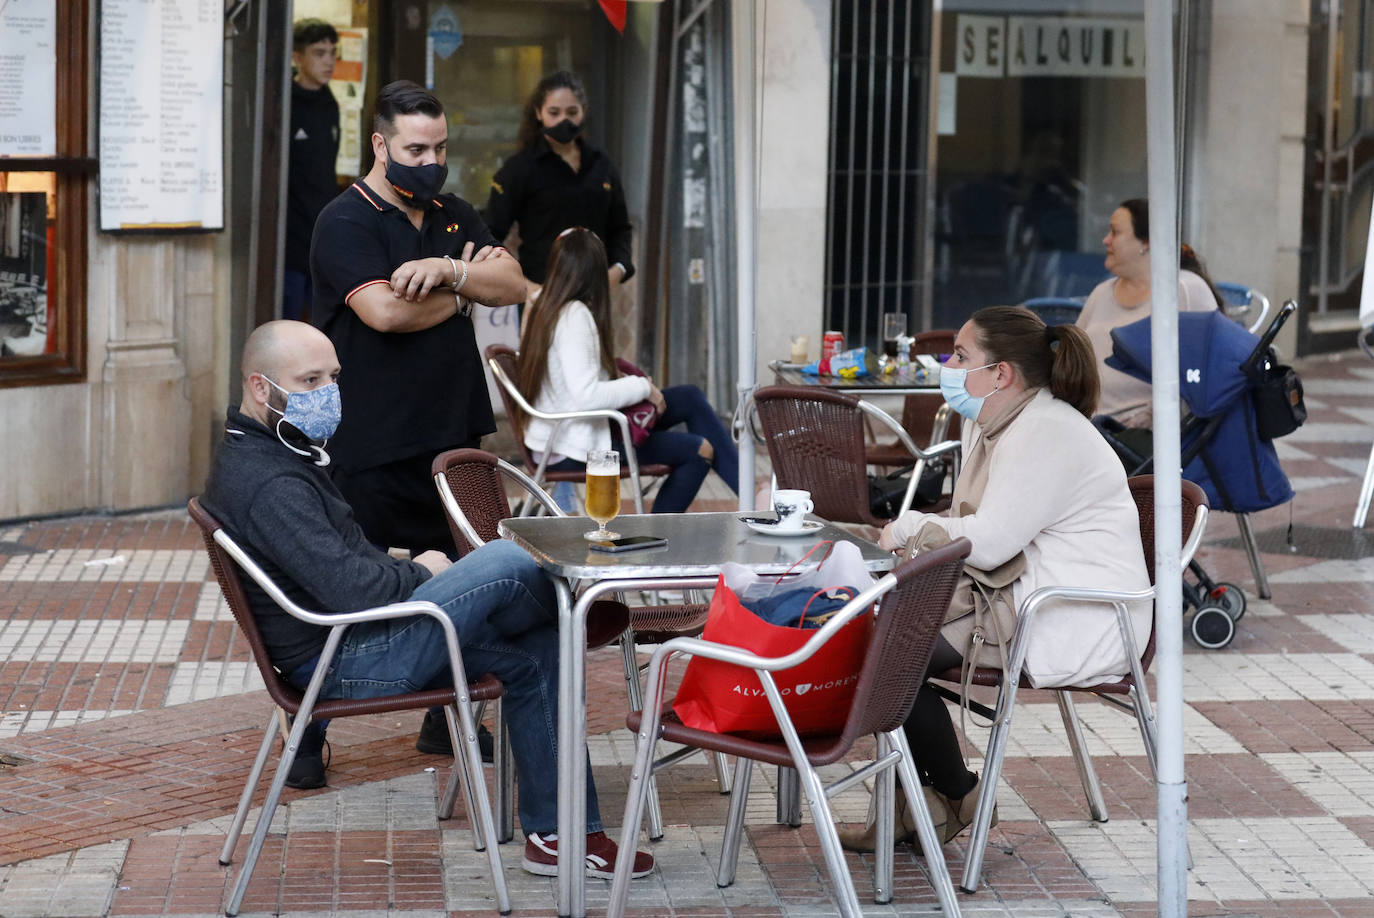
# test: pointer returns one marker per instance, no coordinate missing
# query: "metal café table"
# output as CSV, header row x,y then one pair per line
x,y
698,544
904,382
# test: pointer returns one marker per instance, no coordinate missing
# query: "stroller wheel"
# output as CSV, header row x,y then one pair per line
x,y
1213,627
1230,598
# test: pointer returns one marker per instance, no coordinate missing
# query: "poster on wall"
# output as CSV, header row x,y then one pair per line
x,y
24,312
348,84
28,78
161,101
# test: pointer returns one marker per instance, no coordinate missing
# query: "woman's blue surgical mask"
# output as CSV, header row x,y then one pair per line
x,y
956,394
315,412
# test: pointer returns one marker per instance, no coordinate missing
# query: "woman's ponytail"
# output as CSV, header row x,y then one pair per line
x,y
1073,368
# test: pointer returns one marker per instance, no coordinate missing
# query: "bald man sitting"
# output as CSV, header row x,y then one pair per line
x,y
269,487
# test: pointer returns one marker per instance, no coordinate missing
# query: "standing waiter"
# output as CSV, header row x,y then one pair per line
x,y
558,180
397,265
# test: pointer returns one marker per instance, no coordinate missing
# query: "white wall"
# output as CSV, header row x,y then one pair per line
x,y
794,151
1248,195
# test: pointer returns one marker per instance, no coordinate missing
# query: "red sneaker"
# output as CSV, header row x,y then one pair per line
x,y
541,857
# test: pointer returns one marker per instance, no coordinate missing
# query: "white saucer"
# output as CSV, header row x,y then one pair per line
x,y
771,529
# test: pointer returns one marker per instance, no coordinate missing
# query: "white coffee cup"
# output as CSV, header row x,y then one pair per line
x,y
791,506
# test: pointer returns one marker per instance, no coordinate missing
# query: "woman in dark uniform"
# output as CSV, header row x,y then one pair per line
x,y
558,180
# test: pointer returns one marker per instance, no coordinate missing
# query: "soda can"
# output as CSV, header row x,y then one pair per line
x,y
832,344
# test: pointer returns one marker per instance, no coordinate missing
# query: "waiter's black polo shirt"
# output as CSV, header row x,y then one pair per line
x,y
539,190
404,393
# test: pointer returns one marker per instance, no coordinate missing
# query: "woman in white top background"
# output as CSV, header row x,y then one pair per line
x,y
566,364
1125,298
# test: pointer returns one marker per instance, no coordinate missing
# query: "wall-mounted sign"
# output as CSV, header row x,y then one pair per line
x,y
28,78
1042,46
161,112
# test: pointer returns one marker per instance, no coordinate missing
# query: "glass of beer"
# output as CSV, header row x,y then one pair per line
x,y
603,492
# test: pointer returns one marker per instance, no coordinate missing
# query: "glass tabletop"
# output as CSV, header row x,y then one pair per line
x,y
698,544
903,382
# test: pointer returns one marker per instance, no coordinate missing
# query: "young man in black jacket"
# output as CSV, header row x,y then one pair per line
x,y
269,487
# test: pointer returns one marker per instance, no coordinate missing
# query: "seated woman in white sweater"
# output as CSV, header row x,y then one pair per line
x,y
1044,502
566,364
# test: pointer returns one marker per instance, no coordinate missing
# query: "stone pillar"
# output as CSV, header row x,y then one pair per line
x,y
1249,194
794,151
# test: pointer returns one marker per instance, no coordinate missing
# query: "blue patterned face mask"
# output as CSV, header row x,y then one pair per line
x,y
952,387
315,413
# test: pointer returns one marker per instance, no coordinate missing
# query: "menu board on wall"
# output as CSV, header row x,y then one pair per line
x,y
161,101
28,78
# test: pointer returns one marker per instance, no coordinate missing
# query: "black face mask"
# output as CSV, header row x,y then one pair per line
x,y
564,131
416,185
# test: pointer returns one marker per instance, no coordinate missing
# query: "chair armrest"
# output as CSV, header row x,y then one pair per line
x,y
922,455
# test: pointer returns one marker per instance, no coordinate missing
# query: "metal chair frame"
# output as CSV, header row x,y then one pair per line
x,y
516,401
457,701
919,409
937,572
1243,298
1135,689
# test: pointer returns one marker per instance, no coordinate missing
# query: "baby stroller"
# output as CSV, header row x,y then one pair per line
x,y
1226,447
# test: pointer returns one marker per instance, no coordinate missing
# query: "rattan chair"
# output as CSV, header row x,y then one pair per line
x,y
815,439
228,559
471,485
912,601
501,361
921,413
1130,692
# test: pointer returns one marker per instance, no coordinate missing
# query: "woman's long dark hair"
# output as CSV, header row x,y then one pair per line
x,y
577,271
1188,260
530,127
1057,356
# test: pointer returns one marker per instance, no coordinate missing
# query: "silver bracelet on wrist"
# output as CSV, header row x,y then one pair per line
x,y
454,265
462,280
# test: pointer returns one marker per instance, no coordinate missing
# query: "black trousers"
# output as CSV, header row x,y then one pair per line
x,y
930,733
397,505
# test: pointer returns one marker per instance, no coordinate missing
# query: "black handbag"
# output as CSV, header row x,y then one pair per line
x,y
885,492
1279,407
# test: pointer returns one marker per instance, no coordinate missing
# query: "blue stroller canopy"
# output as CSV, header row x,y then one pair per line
x,y
1211,349
1237,469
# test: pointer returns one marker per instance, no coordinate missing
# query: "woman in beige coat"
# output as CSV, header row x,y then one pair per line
x,y
1044,501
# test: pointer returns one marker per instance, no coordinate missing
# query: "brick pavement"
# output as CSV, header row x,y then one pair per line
x,y
130,711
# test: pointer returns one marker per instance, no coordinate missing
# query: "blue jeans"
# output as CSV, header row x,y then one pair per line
x,y
681,450
507,619
295,293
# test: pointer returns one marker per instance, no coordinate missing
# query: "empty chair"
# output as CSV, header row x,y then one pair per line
x,y
471,485
228,559
1247,306
913,601
815,440
925,417
501,361
1056,310
1129,692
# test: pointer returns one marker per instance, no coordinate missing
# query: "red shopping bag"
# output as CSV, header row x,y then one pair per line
x,y
725,698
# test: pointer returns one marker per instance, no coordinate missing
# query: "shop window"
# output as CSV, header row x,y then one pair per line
x,y
43,228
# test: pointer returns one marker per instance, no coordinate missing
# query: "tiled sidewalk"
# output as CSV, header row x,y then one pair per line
x,y
129,715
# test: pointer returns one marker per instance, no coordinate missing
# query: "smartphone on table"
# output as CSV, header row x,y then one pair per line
x,y
629,543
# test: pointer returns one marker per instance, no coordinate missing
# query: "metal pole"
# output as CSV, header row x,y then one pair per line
x,y
746,213
1160,142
